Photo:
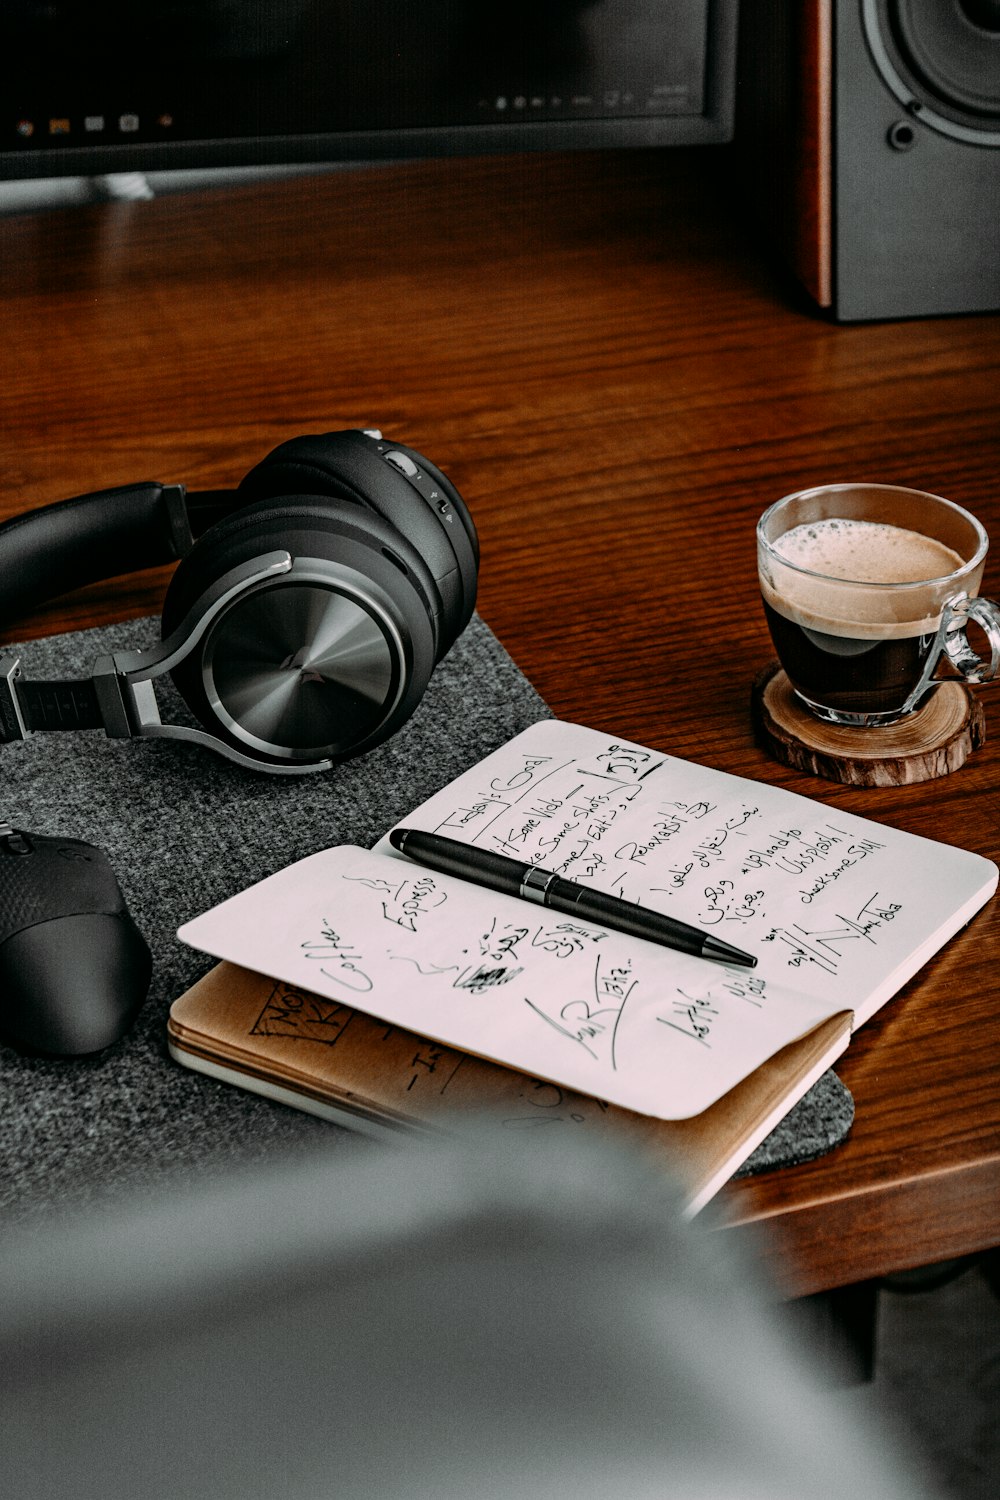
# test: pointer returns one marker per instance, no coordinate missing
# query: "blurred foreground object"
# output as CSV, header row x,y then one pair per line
x,y
488,1317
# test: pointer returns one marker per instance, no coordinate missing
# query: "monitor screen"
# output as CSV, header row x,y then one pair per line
x,y
119,86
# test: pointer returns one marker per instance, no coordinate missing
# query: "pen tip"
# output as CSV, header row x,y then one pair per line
x,y
397,837
714,947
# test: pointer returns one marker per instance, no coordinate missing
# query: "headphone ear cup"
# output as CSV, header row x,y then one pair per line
x,y
427,509
317,663
461,532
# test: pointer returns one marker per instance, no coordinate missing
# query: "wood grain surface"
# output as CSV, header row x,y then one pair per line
x,y
619,381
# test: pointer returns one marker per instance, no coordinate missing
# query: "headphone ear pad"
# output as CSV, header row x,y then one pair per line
x,y
318,663
353,466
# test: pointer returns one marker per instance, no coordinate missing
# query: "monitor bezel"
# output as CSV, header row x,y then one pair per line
x,y
714,125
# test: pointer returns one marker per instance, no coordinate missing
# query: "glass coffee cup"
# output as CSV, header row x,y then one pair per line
x,y
868,591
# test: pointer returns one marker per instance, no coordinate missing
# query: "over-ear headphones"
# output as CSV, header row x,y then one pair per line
x,y
308,610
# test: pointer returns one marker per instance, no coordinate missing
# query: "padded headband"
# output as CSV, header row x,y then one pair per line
x,y
74,542
66,545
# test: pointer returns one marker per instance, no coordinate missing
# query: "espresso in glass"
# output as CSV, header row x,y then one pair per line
x,y
861,584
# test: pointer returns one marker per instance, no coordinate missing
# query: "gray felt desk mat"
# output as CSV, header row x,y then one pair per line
x,y
184,829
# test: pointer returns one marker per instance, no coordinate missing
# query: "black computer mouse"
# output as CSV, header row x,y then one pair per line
x,y
74,968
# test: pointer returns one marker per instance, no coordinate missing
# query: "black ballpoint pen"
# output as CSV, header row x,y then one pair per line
x,y
512,878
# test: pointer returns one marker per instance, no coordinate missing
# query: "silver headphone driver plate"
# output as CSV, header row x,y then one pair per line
x,y
304,667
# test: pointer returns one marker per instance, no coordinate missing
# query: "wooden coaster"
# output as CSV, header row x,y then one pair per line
x,y
933,742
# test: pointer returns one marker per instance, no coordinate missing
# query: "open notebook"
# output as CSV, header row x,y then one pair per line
x,y
839,911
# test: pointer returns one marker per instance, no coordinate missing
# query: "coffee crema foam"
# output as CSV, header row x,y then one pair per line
x,y
866,553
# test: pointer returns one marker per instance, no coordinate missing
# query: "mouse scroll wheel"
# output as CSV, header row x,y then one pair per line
x,y
403,462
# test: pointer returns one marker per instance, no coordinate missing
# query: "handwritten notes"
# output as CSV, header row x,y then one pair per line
x,y
624,1020
831,904
839,911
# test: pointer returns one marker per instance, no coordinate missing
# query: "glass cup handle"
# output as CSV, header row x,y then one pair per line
x,y
963,657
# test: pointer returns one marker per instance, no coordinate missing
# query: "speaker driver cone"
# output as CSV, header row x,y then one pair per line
x,y
303,671
941,58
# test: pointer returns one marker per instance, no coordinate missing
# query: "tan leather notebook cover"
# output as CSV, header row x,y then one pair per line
x,y
337,1062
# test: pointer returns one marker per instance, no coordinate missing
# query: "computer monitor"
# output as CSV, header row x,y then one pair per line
x,y
115,86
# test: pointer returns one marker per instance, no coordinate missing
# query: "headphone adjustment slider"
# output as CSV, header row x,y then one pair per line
x,y
175,512
112,701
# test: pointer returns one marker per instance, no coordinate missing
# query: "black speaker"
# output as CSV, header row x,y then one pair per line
x,y
869,132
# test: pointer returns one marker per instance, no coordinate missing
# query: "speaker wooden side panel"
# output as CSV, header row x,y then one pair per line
x,y
784,131
813,189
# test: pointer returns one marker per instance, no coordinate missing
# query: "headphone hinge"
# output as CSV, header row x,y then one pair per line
x,y
146,710
12,725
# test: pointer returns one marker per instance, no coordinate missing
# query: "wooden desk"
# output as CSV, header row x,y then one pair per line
x,y
618,381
